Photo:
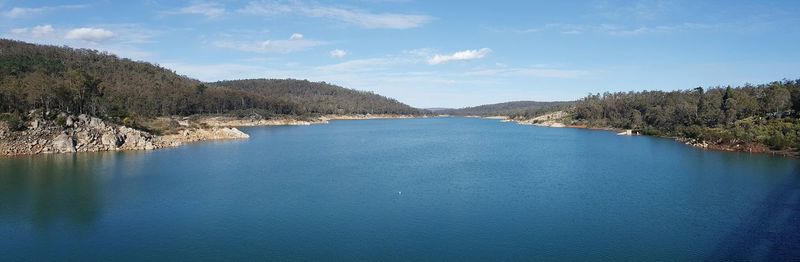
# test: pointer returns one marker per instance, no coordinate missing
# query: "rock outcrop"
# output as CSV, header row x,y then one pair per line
x,y
88,134
78,134
549,120
215,133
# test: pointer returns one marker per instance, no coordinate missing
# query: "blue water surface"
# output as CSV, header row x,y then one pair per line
x,y
412,189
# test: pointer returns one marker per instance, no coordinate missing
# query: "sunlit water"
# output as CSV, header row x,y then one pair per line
x,y
419,189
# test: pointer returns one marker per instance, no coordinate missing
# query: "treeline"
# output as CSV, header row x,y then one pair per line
x,y
513,109
81,81
318,97
764,114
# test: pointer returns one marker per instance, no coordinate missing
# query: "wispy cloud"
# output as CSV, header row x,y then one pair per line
x,y
89,34
374,64
338,53
352,16
210,10
296,42
637,10
120,39
358,65
610,29
23,12
38,31
460,56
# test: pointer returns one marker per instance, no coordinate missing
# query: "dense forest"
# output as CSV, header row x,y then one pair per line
x,y
81,81
319,97
515,108
751,114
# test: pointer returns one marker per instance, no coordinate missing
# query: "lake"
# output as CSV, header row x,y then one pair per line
x,y
404,189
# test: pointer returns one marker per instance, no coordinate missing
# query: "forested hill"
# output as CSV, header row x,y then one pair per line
x,y
516,108
737,116
82,81
319,97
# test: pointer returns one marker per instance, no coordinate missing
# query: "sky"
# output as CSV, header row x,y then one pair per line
x,y
437,53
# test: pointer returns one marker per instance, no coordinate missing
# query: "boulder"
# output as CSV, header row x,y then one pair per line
x,y
96,123
111,140
85,138
135,139
70,121
83,118
64,143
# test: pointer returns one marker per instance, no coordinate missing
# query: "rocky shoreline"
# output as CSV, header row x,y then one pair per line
x,y
555,119
90,134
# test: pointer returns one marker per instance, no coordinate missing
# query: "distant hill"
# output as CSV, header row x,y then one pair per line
x,y
319,97
83,81
438,109
507,108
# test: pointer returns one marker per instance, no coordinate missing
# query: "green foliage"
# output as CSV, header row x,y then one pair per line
x,y
61,120
524,109
82,81
15,121
763,114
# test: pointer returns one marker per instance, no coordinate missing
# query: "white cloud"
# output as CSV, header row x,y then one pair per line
x,y
36,32
210,10
358,65
22,12
42,30
19,31
89,34
295,43
459,56
124,42
18,12
338,53
357,17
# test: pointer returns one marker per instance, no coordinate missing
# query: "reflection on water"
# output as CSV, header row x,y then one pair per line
x,y
51,189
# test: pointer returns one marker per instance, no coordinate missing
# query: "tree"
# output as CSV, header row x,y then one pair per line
x,y
83,81
777,99
728,106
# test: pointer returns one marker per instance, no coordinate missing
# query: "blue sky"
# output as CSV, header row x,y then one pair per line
x,y
437,53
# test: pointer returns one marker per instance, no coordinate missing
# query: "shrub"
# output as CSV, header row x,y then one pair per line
x,y
15,121
778,141
61,120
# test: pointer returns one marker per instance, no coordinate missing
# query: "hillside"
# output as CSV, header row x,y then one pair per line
x,y
318,97
515,108
744,118
82,81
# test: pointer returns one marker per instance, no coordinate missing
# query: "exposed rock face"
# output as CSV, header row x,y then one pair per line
x,y
86,134
216,133
80,134
63,143
549,120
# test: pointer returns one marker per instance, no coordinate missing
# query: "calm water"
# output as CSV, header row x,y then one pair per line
x,y
420,189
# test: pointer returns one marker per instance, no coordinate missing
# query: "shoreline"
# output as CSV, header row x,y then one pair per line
x,y
89,134
704,145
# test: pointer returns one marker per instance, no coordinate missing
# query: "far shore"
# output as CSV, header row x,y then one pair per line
x,y
555,120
